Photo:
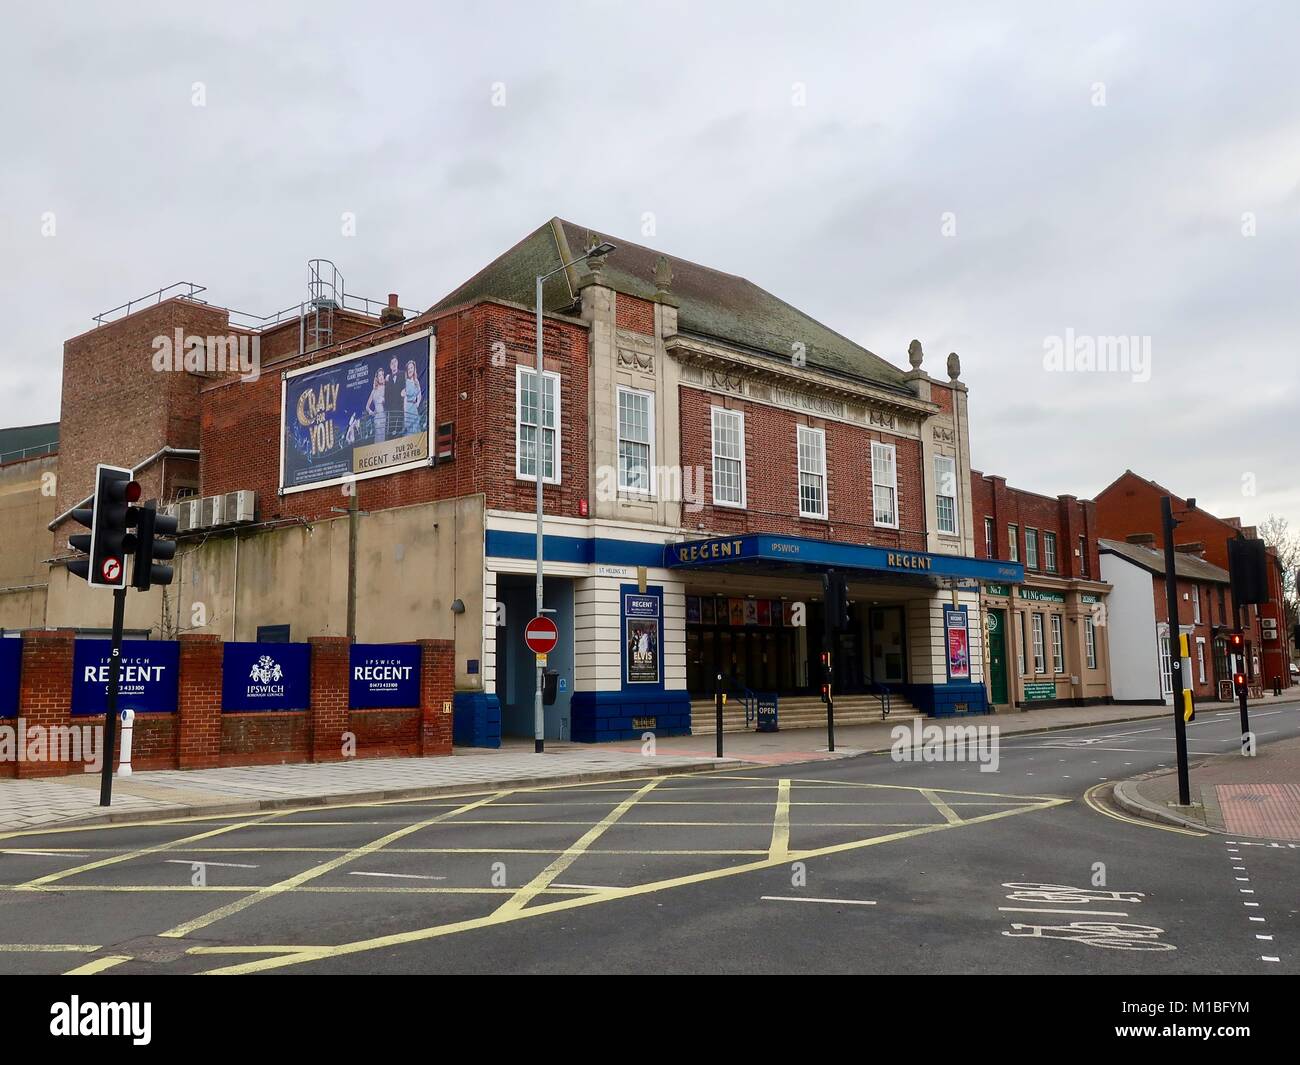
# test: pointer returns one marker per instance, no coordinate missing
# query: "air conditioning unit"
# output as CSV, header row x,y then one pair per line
x,y
186,513
212,511
240,506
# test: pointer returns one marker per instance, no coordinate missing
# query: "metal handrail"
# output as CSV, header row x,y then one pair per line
x,y
883,693
29,452
152,297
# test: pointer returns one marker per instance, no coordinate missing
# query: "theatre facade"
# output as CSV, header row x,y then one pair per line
x,y
707,451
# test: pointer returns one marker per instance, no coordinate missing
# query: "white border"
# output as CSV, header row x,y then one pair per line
x,y
893,465
714,411
520,370
623,490
352,478
825,476
93,578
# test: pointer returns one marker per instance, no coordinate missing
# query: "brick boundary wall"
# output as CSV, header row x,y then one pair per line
x,y
45,693
199,735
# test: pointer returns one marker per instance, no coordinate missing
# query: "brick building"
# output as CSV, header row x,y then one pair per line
x,y
29,464
705,450
1130,506
1139,620
1047,638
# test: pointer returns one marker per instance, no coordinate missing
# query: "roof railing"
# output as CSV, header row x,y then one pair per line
x,y
29,452
189,290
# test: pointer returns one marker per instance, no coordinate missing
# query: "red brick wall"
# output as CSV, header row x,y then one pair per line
x,y
1186,616
45,694
1066,516
385,733
265,738
478,349
635,314
1132,505
117,409
772,476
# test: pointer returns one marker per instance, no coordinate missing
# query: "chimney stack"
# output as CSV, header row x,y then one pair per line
x,y
1197,549
392,313
1141,539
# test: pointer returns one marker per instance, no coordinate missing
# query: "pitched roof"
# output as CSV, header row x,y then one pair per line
x,y
28,438
710,303
1187,566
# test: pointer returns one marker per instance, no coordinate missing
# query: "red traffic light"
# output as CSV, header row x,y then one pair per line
x,y
133,491
1236,639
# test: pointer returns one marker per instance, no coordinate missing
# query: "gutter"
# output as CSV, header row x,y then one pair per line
x,y
179,452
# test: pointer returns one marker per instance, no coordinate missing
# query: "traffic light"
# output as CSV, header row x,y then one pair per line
x,y
108,518
835,596
152,553
826,675
1237,649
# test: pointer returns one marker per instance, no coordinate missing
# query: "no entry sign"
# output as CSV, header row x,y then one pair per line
x,y
541,635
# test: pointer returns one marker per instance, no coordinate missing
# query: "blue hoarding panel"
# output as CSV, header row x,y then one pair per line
x,y
266,676
384,675
147,681
11,662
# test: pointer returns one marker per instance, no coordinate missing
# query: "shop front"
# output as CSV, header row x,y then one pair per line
x,y
753,615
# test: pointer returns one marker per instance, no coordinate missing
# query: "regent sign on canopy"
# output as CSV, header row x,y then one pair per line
x,y
365,414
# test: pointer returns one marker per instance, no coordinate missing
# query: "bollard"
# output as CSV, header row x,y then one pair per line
x,y
128,726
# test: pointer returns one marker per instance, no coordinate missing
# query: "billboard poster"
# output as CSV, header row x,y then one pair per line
x,y
266,676
958,638
146,680
384,675
641,637
361,415
11,662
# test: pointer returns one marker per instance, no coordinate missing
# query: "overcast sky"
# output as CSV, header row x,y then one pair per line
x,y
981,180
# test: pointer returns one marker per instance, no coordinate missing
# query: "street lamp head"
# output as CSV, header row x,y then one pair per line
x,y
603,248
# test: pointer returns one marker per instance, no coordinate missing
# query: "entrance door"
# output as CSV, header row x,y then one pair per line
x,y
997,637
887,645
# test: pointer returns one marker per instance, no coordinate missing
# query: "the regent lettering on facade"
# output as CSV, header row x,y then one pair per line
x,y
901,561
127,674
708,550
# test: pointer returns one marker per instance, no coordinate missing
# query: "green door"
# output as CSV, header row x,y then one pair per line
x,y
997,634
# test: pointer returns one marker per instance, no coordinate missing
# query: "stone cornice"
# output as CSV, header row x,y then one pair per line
x,y
730,372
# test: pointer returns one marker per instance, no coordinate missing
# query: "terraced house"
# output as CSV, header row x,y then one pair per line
x,y
707,453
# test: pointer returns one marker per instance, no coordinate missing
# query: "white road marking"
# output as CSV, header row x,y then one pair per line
x,y
1259,919
200,861
1246,890
805,898
1258,936
584,887
1250,903
400,876
1265,957
46,854
1027,909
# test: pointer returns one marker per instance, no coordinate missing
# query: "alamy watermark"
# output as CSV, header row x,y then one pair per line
x,y
1073,353
20,742
237,353
946,743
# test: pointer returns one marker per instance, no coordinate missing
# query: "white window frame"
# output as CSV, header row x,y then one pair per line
x,y
820,434
1040,651
726,412
1196,604
1090,641
1166,664
1051,557
551,375
1020,643
939,494
1200,657
1013,542
634,490
1032,559
890,483
990,538
1058,644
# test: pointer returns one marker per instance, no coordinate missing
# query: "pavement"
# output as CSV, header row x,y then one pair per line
x,y
158,794
1012,861
1232,794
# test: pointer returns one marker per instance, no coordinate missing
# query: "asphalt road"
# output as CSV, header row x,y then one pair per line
x,y
864,864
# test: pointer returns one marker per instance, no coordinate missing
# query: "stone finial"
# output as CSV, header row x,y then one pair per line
x,y
915,354
663,274
954,366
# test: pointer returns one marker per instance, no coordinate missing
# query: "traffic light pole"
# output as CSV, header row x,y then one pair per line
x,y
1175,650
830,703
110,718
717,706
1245,672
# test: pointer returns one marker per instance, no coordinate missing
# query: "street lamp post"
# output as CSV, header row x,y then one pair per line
x,y
539,717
